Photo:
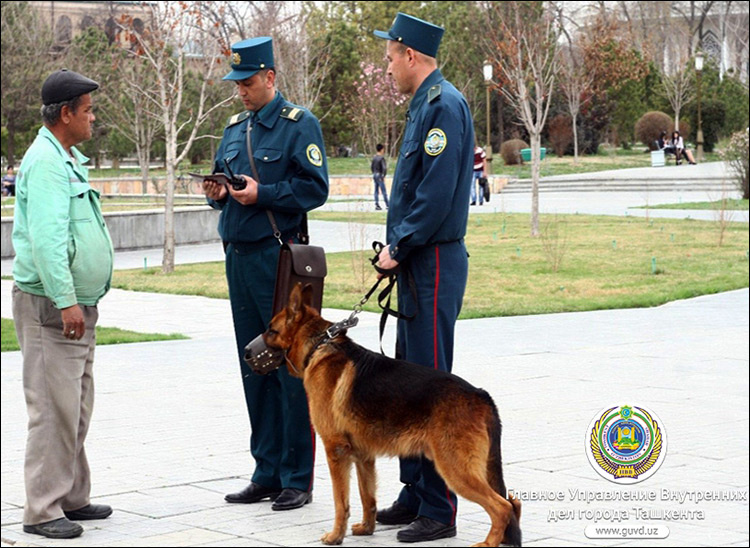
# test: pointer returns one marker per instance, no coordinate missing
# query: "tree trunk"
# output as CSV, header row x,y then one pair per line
x,y
167,264
143,160
575,139
500,102
536,161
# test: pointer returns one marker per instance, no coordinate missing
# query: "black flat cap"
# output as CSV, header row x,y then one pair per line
x,y
63,85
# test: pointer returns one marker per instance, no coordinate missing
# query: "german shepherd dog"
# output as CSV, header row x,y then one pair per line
x,y
363,405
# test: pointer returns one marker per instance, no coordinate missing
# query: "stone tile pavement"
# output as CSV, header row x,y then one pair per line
x,y
169,435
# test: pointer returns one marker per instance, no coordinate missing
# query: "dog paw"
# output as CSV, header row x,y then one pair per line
x,y
331,538
360,529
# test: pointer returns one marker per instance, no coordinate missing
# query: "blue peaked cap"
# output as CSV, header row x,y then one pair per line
x,y
249,56
415,33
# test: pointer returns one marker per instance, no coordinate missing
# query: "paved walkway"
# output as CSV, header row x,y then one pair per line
x,y
169,434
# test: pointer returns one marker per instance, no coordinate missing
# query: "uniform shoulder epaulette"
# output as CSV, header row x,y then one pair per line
x,y
237,118
434,93
292,113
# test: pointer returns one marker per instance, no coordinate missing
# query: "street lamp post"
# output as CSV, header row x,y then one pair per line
x,y
487,72
699,135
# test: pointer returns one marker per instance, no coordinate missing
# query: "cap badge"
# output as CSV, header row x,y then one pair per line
x,y
236,59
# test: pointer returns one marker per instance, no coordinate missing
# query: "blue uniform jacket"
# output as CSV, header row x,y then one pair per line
x,y
431,185
290,158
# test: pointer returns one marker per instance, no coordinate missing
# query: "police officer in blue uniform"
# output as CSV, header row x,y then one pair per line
x,y
289,155
426,225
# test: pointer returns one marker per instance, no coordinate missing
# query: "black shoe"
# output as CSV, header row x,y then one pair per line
x,y
291,498
397,514
253,493
90,511
423,529
691,163
57,528
473,203
377,207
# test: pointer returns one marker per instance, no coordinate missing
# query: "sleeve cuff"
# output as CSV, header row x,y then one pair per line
x,y
265,196
399,252
65,301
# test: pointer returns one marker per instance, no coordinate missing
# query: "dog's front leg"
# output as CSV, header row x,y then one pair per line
x,y
367,486
339,454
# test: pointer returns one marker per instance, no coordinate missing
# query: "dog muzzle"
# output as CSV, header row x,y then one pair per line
x,y
261,358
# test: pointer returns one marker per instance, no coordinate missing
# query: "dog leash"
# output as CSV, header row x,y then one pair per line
x,y
384,300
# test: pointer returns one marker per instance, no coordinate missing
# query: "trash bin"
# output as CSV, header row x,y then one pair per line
x,y
657,158
526,154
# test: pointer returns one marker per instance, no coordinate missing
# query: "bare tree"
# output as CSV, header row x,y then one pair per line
x,y
575,83
118,72
302,62
694,15
177,43
735,29
677,87
526,53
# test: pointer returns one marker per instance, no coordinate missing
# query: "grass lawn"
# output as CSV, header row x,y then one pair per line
x,y
729,205
603,262
104,335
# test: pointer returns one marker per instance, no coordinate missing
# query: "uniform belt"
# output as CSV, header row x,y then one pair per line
x,y
265,243
443,242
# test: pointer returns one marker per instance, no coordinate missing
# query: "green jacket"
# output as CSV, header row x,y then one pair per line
x,y
63,248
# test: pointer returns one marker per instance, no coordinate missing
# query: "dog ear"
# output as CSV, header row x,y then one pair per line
x,y
296,300
307,295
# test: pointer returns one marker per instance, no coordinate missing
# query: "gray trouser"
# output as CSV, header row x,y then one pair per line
x,y
59,386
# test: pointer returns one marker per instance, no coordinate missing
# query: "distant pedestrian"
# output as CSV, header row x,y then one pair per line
x,y
379,170
480,171
63,267
9,182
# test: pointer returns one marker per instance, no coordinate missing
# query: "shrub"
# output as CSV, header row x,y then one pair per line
x,y
561,133
713,116
650,126
738,157
684,129
511,151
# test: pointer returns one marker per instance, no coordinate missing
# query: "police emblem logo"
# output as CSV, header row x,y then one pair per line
x,y
236,59
314,155
435,142
626,444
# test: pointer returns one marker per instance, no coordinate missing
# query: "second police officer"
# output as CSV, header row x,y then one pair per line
x,y
425,229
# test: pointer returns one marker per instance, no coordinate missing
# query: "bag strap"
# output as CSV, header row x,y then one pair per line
x,y
304,236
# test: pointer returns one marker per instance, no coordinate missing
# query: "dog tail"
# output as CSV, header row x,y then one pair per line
x,y
495,477
495,462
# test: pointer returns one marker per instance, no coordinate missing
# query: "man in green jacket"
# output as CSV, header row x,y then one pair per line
x,y
63,267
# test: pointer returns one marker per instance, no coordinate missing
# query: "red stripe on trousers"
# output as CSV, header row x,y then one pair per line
x,y
435,309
